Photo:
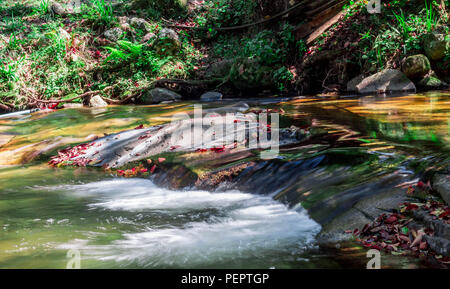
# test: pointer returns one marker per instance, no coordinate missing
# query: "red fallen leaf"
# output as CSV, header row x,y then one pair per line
x,y
391,219
174,147
201,150
219,149
376,247
141,126
356,232
365,229
143,137
53,106
445,214
133,170
152,170
144,170
411,207
420,184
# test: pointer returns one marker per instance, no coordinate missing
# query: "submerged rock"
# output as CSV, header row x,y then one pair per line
x,y
158,95
211,96
416,67
388,80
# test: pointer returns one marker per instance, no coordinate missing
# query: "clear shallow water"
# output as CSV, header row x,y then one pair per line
x,y
132,223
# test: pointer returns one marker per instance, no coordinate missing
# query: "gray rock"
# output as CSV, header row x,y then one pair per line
x,y
167,43
416,67
351,85
435,46
140,23
97,101
441,183
113,34
439,245
211,96
439,228
158,95
388,80
58,9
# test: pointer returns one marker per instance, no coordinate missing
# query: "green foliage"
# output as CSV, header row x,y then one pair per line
x,y
8,71
125,51
155,9
268,47
281,77
105,10
223,13
100,12
431,19
402,22
43,7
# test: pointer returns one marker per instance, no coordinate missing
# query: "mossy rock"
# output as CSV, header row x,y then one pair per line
x,y
416,67
431,82
436,46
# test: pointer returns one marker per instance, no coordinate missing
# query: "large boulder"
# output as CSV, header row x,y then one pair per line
x,y
158,95
351,85
211,96
167,43
113,34
416,67
436,46
388,80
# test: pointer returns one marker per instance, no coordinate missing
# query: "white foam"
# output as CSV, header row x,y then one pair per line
x,y
250,226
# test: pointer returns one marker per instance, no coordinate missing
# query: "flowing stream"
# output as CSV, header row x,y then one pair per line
x,y
267,221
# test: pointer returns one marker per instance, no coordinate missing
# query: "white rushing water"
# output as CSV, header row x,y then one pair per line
x,y
234,225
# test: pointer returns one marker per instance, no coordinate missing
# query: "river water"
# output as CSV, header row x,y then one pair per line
x,y
133,223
